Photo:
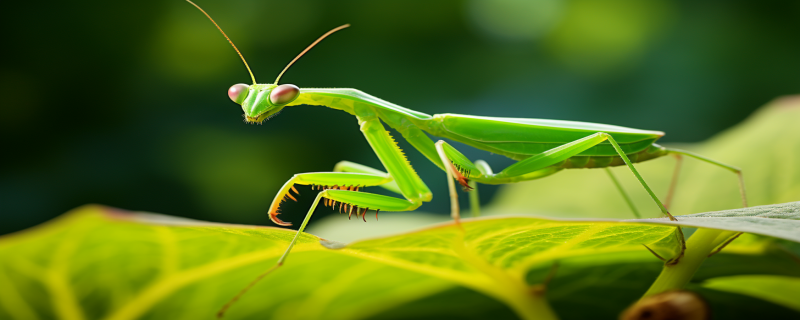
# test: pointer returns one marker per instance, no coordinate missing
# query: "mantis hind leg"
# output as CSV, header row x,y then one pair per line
x,y
736,170
545,163
537,166
564,152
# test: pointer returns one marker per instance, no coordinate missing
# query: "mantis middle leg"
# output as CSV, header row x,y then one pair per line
x,y
479,170
625,195
536,166
541,165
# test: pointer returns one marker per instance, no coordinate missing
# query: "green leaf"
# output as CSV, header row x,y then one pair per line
x,y
455,303
779,220
781,290
729,305
96,262
102,263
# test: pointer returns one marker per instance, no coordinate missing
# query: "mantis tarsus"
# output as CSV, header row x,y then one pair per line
x,y
541,147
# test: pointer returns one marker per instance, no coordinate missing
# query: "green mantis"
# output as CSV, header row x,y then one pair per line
x,y
541,147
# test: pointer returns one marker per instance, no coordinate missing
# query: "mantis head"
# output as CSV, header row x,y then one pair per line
x,y
260,102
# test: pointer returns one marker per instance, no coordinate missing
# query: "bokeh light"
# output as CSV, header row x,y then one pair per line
x,y
515,20
124,103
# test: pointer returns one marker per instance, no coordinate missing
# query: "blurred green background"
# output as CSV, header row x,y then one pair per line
x,y
124,103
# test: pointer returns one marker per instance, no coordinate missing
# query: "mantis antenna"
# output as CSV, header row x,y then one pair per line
x,y
308,48
231,42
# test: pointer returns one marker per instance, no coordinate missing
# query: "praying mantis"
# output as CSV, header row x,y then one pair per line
x,y
542,147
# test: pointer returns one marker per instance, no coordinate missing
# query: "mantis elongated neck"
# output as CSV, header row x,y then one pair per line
x,y
356,102
409,123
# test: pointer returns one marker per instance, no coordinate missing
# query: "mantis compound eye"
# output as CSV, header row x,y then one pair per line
x,y
284,94
238,92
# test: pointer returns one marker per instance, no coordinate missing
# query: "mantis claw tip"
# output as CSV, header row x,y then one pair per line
x,y
275,220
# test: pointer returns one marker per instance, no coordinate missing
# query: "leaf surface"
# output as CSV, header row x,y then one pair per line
x,y
101,263
781,290
779,220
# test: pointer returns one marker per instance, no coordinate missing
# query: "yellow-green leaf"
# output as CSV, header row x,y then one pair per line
x,y
781,290
98,262
102,263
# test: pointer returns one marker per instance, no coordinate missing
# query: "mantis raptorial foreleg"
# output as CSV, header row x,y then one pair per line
x,y
340,188
347,166
324,180
355,200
